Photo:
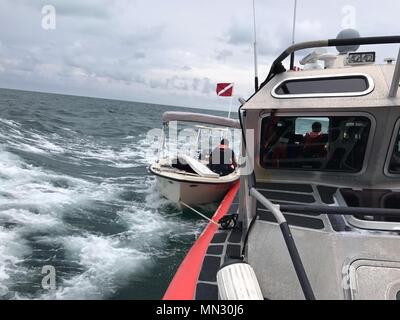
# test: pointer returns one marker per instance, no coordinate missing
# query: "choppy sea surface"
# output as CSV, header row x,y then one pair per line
x,y
76,195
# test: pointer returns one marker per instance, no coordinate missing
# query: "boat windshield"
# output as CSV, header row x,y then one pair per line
x,y
394,166
196,141
326,143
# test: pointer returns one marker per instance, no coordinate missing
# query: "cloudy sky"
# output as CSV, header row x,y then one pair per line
x,y
166,51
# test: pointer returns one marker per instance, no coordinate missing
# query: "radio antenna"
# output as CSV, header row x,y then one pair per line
x,y
293,34
255,48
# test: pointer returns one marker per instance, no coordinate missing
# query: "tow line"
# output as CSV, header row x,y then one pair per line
x,y
200,214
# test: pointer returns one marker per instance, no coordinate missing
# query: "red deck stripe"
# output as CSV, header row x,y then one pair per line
x,y
183,285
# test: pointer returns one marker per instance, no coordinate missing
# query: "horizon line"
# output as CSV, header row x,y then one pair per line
x,y
111,99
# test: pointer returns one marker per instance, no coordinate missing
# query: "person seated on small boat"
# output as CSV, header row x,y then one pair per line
x,y
222,159
314,145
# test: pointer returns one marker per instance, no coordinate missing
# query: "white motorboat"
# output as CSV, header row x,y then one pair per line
x,y
184,176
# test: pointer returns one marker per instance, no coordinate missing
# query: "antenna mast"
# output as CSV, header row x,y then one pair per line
x,y
293,34
255,48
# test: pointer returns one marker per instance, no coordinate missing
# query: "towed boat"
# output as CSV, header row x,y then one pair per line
x,y
319,216
188,178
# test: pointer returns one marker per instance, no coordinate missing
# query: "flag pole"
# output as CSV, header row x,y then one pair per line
x,y
226,90
293,34
230,107
230,103
255,47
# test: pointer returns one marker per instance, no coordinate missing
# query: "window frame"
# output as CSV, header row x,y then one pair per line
x,y
321,115
371,87
393,139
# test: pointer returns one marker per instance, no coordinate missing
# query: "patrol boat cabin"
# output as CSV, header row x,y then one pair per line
x,y
326,176
318,214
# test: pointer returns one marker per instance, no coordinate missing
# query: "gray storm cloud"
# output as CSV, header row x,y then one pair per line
x,y
168,52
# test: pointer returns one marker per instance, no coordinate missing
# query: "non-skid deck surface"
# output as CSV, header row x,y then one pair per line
x,y
306,194
225,245
228,244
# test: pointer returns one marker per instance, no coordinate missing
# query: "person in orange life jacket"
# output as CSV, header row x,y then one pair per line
x,y
314,146
222,159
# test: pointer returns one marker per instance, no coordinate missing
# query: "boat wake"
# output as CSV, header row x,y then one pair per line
x,y
85,205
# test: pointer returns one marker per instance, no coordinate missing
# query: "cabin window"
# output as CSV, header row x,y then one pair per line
x,y
314,143
357,84
394,166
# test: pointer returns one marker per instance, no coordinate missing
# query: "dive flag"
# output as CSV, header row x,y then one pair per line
x,y
224,89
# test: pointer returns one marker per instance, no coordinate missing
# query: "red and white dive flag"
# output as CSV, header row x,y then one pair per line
x,y
224,89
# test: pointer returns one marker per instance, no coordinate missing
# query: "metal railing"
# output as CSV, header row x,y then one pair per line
x,y
290,243
276,210
277,66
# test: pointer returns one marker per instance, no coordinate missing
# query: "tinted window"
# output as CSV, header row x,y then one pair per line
x,y
314,143
347,84
394,166
303,125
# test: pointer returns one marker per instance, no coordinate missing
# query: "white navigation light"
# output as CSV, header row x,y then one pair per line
x,y
355,58
347,34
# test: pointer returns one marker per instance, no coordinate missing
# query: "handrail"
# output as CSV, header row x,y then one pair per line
x,y
274,208
290,243
336,42
277,210
200,118
277,67
339,210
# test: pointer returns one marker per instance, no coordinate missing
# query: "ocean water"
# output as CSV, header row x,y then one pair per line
x,y
76,195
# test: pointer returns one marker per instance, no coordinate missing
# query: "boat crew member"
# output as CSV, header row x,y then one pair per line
x,y
314,146
222,159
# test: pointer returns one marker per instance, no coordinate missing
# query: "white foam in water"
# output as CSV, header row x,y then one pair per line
x,y
129,155
9,122
12,251
32,186
28,141
125,158
35,200
29,221
106,263
45,144
25,188
147,226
